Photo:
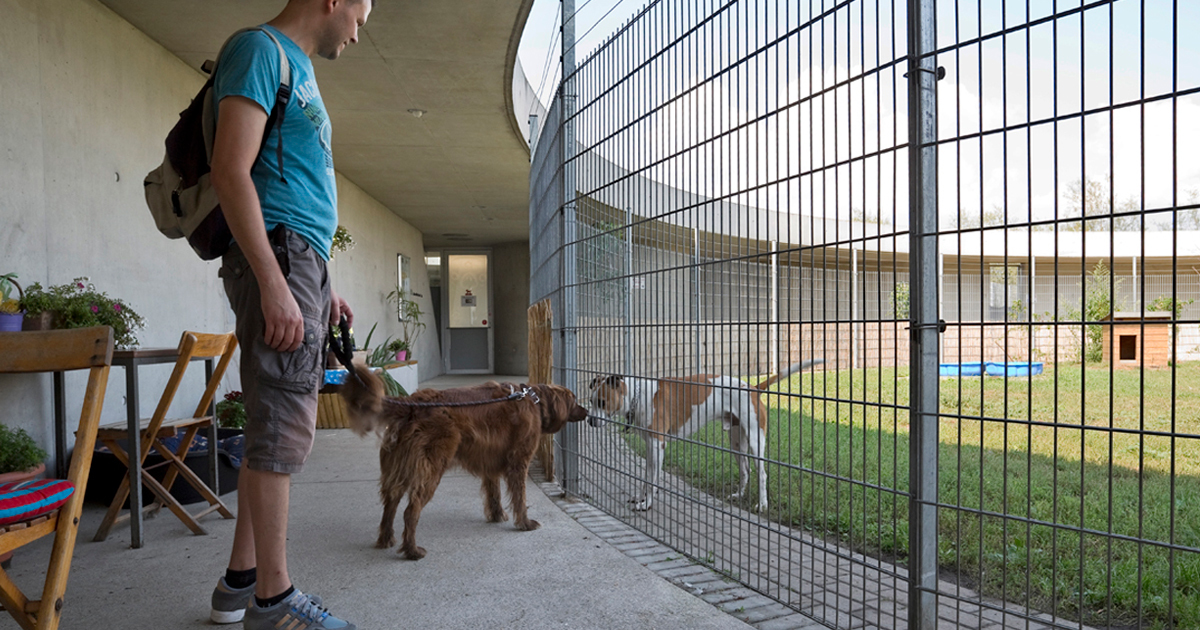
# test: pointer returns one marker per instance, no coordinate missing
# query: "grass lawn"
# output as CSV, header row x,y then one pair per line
x,y
1028,509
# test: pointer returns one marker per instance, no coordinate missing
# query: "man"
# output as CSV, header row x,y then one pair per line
x,y
278,287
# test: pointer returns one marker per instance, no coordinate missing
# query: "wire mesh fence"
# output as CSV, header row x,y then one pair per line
x,y
1004,430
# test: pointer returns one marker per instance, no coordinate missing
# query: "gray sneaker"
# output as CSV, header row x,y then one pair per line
x,y
229,604
297,612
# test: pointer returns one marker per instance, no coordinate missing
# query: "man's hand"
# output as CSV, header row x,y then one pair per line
x,y
284,325
337,308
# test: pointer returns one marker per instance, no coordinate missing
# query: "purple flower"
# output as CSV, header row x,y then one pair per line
x,y
95,309
79,285
117,307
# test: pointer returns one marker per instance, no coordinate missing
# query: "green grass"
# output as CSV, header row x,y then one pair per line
x,y
1009,472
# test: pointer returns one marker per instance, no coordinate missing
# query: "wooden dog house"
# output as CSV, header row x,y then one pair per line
x,y
1138,339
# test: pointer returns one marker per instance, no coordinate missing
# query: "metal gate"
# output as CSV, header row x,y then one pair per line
x,y
982,215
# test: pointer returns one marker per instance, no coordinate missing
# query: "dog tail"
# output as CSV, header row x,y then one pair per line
x,y
364,400
803,365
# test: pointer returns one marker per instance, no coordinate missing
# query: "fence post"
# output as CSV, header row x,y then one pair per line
x,y
570,322
540,319
923,323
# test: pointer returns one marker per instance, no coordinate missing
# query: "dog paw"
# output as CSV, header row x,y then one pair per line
x,y
385,543
415,553
497,518
529,525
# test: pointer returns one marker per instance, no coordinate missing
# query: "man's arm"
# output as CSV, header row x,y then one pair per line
x,y
239,134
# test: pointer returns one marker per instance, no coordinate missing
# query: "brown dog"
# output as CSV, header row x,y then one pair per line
x,y
491,441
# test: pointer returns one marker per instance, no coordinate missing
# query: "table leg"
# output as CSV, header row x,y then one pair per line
x,y
213,481
135,457
60,427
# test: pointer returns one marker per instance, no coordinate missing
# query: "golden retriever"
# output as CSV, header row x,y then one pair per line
x,y
491,441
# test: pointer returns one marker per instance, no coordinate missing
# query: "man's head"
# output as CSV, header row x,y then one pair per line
x,y
340,27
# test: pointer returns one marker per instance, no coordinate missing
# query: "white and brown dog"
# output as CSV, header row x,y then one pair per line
x,y
676,408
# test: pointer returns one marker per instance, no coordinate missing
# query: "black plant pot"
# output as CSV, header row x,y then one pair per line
x,y
108,471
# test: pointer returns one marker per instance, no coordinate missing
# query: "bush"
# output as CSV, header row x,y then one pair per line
x,y
18,451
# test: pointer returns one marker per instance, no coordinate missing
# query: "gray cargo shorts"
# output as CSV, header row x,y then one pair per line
x,y
280,388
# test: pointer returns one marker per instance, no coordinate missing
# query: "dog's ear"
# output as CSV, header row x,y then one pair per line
x,y
556,406
616,380
596,380
364,399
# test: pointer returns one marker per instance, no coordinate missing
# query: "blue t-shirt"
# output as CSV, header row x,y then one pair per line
x,y
307,203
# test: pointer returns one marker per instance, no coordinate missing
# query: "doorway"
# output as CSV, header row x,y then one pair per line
x,y
466,311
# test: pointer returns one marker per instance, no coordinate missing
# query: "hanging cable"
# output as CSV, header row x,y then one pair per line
x,y
556,28
597,23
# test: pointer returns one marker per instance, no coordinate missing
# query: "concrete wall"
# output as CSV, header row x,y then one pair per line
x,y
87,102
510,282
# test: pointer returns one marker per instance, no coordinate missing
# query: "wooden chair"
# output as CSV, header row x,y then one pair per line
x,y
54,351
192,345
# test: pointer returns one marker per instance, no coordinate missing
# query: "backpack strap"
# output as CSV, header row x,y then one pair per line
x,y
282,97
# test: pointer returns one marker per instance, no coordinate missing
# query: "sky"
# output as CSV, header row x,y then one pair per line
x,y
986,88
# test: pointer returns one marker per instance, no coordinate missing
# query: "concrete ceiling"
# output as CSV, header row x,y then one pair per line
x,y
460,172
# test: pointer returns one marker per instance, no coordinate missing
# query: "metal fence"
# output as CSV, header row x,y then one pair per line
x,y
981,214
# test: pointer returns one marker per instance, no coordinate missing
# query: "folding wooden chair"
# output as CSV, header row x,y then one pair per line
x,y
56,351
192,345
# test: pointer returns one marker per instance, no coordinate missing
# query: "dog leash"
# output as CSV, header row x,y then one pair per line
x,y
521,394
341,350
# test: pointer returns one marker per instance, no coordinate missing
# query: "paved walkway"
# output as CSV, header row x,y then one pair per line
x,y
477,574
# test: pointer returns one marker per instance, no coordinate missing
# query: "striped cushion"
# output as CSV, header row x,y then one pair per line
x,y
24,500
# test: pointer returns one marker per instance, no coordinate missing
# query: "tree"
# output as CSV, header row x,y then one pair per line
x,y
1093,201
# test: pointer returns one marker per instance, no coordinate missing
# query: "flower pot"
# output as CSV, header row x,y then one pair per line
x,y
19,476
401,355
23,475
11,322
38,321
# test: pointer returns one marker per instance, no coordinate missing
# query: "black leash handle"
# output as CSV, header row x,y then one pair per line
x,y
341,349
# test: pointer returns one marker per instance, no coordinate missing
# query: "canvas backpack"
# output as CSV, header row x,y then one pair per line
x,y
179,193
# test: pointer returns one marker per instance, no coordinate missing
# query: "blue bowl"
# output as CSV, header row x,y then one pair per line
x,y
960,369
1013,369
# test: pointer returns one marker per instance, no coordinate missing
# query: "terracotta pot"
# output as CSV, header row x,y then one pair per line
x,y
23,475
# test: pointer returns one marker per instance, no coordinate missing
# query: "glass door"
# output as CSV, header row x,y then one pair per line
x,y
467,306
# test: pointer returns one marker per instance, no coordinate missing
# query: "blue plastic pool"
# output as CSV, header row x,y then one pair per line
x,y
960,369
1013,369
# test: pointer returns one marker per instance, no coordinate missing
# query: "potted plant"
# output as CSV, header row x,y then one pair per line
x,y
399,348
20,457
78,304
10,306
342,241
231,412
409,314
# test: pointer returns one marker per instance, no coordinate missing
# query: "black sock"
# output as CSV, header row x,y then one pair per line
x,y
241,579
271,601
